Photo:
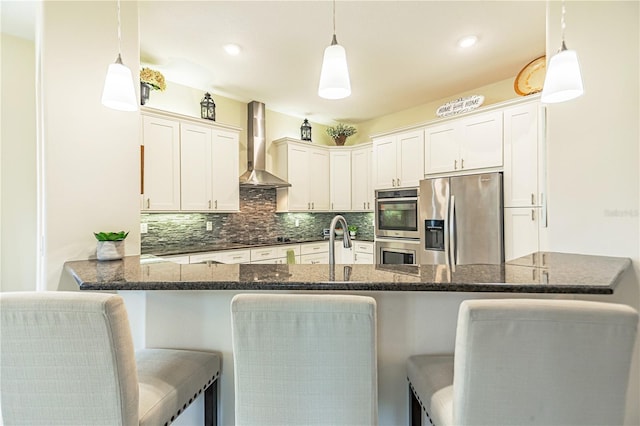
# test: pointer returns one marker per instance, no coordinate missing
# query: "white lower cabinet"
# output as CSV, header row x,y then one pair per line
x,y
314,253
363,252
520,231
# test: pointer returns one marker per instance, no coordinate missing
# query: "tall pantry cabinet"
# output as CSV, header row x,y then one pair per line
x,y
524,179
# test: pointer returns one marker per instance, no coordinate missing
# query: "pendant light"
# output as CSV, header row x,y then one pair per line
x,y
118,92
563,81
334,76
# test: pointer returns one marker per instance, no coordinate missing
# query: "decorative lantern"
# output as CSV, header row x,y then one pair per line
x,y
208,107
305,131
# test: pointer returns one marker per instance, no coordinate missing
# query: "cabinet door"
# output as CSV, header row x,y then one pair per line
x,y
340,180
520,232
384,162
361,187
441,148
195,160
363,259
410,159
521,156
481,141
298,177
318,179
161,140
225,171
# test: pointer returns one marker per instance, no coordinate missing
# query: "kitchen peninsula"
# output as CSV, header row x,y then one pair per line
x,y
188,306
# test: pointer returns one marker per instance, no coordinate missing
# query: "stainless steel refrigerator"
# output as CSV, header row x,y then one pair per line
x,y
461,220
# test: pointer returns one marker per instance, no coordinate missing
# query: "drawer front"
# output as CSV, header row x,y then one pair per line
x,y
236,256
281,251
203,257
260,254
363,247
314,248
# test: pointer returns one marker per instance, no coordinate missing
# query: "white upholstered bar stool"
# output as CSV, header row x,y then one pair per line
x,y
67,358
304,360
529,362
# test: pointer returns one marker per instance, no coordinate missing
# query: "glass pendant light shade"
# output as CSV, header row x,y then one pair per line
x,y
564,79
334,76
118,92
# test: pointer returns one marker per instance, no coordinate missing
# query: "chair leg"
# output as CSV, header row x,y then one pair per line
x,y
211,404
415,410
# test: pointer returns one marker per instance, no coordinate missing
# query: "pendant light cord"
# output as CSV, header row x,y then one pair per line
x,y
334,40
119,34
563,25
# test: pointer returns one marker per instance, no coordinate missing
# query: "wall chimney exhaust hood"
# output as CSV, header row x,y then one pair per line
x,y
256,176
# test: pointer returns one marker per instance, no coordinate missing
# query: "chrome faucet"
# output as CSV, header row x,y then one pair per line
x,y
332,237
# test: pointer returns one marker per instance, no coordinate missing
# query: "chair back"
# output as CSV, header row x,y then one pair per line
x,y
66,358
542,362
304,359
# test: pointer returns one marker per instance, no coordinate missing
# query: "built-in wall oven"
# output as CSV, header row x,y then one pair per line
x,y
396,213
397,251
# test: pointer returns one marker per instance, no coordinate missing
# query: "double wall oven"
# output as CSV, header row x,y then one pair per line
x,y
397,233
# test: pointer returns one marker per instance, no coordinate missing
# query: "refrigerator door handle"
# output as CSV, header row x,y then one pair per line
x,y
452,232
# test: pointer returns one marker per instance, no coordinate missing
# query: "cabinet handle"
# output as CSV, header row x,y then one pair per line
x,y
364,205
368,207
455,164
533,214
209,204
216,205
398,181
355,257
533,199
534,274
462,163
393,182
148,203
313,205
308,206
265,254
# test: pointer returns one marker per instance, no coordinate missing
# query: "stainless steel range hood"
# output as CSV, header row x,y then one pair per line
x,y
256,176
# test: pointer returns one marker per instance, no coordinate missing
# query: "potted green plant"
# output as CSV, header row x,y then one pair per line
x,y
110,245
353,230
341,132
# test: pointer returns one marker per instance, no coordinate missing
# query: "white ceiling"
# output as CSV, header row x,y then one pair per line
x,y
400,53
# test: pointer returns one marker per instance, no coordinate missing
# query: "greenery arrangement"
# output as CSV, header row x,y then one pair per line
x,y
111,236
352,228
341,130
153,78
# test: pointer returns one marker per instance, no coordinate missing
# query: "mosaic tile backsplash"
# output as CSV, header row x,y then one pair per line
x,y
256,223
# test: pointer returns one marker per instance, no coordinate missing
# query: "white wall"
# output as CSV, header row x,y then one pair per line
x,y
593,147
18,166
91,153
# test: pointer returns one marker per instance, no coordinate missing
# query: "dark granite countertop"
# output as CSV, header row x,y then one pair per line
x,y
219,246
544,272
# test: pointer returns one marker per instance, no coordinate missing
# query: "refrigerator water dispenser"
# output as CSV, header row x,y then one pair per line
x,y
434,235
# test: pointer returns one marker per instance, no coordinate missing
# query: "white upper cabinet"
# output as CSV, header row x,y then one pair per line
x,y
340,179
306,168
521,156
189,164
161,164
225,153
520,232
469,143
195,162
398,160
361,177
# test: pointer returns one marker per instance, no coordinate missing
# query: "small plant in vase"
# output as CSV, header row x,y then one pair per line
x,y
353,231
110,245
150,80
341,132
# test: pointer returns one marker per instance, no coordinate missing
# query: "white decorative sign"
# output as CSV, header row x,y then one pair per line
x,y
460,105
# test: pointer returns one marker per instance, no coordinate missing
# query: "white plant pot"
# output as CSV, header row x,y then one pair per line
x,y
110,250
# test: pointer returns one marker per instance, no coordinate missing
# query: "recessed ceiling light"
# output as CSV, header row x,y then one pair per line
x,y
232,49
467,41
